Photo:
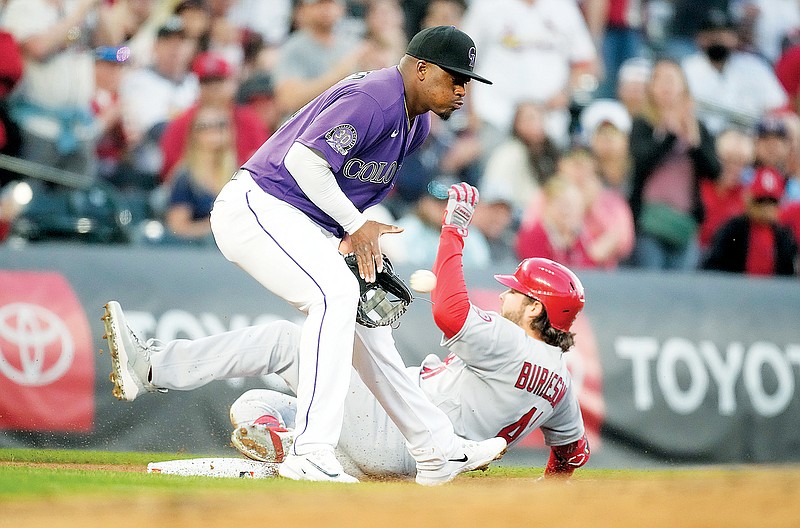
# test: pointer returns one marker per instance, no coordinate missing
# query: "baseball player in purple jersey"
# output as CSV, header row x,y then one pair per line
x,y
505,374
282,217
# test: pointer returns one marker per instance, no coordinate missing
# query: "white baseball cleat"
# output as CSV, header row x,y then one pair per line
x,y
320,466
471,456
264,439
130,358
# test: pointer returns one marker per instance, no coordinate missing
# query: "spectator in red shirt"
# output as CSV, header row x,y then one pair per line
x,y
217,89
558,232
11,68
787,69
724,198
257,92
755,243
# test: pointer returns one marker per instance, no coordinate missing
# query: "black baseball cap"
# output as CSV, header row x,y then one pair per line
x,y
717,19
447,47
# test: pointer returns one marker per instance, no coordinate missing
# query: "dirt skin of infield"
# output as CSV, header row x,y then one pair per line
x,y
732,498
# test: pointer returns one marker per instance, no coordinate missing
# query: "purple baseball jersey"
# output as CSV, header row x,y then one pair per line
x,y
361,127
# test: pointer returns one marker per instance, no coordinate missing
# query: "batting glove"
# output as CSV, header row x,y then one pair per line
x,y
461,201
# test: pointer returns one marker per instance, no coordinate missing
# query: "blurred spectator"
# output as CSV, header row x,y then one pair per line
x,y
773,145
452,149
440,13
685,21
525,161
607,230
207,164
557,233
111,143
536,50
792,122
632,79
671,152
723,199
136,23
422,225
315,56
772,22
10,75
127,18
787,70
384,29
224,35
789,216
448,153
257,93
730,87
414,11
755,243
271,20
494,218
617,27
606,126
196,18
52,105
151,96
257,57
218,90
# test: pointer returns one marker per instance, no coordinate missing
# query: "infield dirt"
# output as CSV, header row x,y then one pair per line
x,y
746,497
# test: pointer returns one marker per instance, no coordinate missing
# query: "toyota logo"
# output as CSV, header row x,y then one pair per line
x,y
36,347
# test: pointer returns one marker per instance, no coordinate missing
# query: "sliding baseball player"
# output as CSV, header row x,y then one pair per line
x,y
505,374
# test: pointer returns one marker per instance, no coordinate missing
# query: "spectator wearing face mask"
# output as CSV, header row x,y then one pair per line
x,y
730,87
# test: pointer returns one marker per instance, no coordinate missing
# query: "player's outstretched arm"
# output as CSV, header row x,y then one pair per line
x,y
450,299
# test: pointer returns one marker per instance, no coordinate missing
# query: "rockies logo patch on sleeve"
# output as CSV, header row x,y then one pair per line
x,y
342,138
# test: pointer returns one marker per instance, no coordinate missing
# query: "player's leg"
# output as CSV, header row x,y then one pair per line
x,y
263,424
292,257
440,455
369,439
184,364
370,444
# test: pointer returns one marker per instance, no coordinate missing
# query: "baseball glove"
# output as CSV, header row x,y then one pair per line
x,y
382,302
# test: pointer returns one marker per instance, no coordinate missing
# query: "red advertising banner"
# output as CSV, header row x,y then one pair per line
x,y
46,355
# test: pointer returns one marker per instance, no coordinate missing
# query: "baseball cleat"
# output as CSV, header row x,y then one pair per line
x,y
470,457
264,440
319,466
130,358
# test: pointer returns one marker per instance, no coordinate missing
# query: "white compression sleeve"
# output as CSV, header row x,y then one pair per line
x,y
313,174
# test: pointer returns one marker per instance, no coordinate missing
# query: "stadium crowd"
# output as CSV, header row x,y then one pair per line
x,y
659,134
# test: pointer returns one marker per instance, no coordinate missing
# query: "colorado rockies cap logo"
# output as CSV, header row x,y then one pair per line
x,y
342,138
472,54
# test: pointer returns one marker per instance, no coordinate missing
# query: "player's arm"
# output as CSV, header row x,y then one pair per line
x,y
450,300
315,178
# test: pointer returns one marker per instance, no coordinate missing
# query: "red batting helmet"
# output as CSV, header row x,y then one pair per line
x,y
553,285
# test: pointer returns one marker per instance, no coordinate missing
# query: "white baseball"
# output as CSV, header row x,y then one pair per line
x,y
422,281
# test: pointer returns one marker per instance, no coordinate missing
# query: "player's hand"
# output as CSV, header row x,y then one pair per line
x,y
461,201
365,244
